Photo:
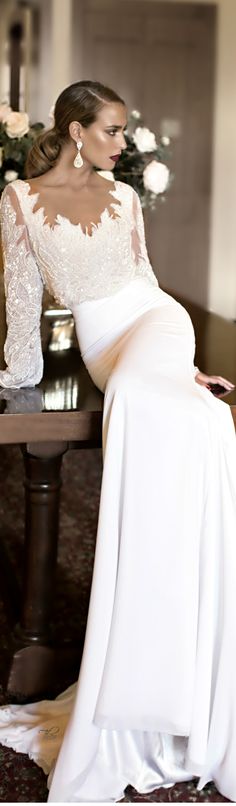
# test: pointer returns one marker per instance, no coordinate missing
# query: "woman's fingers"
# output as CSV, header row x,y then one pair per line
x,y
221,381
206,380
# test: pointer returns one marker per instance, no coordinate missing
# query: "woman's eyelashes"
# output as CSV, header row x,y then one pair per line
x,y
112,132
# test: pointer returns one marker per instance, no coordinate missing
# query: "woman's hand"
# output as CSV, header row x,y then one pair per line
x,y
206,380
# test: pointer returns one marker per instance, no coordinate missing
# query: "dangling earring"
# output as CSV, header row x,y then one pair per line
x,y
78,162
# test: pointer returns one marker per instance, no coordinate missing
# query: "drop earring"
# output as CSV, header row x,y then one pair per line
x,y
78,162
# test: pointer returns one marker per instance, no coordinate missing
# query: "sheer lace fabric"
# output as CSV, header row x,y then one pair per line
x,y
73,265
23,289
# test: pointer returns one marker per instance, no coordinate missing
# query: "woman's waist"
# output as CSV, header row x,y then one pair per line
x,y
96,318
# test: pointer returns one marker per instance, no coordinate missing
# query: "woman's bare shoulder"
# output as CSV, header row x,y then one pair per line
x,y
38,182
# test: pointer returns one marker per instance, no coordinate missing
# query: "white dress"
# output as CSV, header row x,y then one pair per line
x,y
156,697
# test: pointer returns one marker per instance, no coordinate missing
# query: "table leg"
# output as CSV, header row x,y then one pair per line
x,y
33,660
42,495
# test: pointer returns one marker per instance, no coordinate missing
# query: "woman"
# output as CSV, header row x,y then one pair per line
x,y
156,698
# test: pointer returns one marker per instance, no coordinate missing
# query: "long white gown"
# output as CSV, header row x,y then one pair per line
x,y
156,697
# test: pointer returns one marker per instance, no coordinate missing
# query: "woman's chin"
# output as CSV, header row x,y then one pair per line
x,y
107,166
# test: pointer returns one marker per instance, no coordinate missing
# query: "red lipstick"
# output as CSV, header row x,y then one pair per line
x,y
115,157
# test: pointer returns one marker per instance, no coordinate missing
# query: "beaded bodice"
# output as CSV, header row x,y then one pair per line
x,y
73,264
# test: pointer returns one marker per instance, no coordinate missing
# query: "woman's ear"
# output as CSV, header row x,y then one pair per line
x,y
74,129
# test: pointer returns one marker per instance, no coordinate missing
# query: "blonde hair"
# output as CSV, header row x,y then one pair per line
x,y
80,101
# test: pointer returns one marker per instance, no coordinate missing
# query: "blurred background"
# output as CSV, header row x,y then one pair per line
x,y
176,63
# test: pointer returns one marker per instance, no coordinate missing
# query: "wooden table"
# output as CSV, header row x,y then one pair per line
x,y
65,412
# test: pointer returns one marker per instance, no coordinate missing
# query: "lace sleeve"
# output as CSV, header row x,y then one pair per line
x,y
23,289
139,243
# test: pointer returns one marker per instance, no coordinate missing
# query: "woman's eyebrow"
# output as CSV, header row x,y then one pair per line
x,y
110,126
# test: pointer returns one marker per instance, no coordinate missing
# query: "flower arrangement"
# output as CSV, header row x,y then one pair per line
x,y
16,138
143,163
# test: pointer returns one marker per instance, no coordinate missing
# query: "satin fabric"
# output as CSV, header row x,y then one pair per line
x,y
156,700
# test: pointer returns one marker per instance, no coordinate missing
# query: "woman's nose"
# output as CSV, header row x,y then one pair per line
x,y
123,143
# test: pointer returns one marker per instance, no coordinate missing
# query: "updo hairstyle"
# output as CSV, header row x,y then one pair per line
x,y
81,101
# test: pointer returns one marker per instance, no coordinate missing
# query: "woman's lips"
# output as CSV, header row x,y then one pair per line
x,y
115,158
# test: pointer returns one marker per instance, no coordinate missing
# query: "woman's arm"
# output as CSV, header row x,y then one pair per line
x,y
142,259
139,242
23,289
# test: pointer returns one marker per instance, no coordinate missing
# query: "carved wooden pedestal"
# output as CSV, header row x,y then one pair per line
x,y
36,664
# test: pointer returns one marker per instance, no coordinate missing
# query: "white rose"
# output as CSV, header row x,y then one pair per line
x,y
135,114
10,176
165,141
156,177
4,112
106,175
144,139
17,124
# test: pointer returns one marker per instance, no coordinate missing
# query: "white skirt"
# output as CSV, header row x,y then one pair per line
x,y
156,698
